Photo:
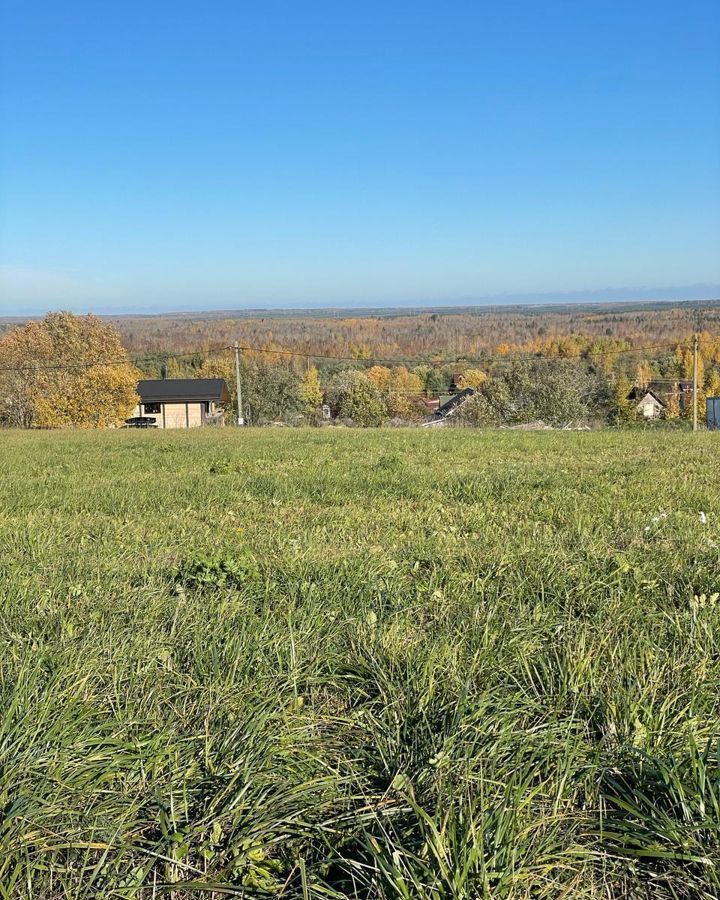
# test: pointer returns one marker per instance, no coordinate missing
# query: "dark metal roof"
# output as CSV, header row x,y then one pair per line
x,y
639,394
445,408
183,390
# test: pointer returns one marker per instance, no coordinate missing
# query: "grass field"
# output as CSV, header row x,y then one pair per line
x,y
383,664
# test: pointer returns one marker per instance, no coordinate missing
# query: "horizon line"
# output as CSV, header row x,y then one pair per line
x,y
491,303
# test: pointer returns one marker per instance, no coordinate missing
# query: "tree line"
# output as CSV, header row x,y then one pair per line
x,y
73,371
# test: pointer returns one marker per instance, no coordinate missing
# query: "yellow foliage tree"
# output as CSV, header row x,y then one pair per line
x,y
380,377
643,374
712,384
217,366
311,391
99,397
711,388
472,378
623,410
173,369
65,371
402,381
684,357
672,405
398,386
404,389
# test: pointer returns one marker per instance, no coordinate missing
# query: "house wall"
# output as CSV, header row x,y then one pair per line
x,y
649,408
176,415
181,415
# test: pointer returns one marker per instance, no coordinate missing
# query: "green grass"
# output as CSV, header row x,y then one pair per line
x,y
392,664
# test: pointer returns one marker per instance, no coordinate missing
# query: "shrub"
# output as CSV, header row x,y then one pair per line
x,y
352,395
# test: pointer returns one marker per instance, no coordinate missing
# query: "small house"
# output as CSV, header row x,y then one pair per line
x,y
647,403
183,402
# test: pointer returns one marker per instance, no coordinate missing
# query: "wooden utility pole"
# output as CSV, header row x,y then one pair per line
x,y
695,380
240,420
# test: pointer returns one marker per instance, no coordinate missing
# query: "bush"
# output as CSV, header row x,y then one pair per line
x,y
556,392
352,395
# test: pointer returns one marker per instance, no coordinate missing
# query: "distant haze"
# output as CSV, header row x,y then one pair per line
x,y
701,292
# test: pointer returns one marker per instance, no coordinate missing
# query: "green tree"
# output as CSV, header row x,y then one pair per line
x,y
437,381
363,405
556,392
491,405
271,389
352,395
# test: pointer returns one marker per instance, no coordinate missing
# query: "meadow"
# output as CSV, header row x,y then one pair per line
x,y
368,664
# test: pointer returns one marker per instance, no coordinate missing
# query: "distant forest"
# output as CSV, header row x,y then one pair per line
x,y
427,334
517,365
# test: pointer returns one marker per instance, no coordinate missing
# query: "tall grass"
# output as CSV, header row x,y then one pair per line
x,y
339,664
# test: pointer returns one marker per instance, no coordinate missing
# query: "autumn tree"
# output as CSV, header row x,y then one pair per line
x,y
472,378
402,381
173,369
400,389
621,407
311,391
65,371
684,357
672,405
380,377
643,374
712,383
217,366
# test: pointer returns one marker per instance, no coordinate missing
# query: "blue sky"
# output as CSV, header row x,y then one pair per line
x,y
174,155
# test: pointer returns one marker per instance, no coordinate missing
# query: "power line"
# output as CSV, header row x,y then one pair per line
x,y
482,357
645,349
90,364
426,359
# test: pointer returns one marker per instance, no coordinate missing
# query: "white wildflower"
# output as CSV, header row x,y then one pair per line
x,y
656,519
703,518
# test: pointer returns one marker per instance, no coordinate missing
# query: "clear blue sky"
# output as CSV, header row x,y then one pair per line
x,y
166,155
